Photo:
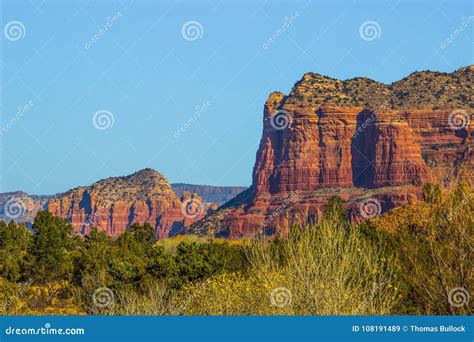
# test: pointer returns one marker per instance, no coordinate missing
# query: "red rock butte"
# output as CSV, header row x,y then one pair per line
x,y
115,203
357,139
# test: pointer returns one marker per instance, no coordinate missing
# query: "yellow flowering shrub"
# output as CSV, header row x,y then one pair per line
x,y
229,294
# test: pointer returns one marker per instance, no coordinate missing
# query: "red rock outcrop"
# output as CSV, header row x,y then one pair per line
x,y
352,139
397,158
115,203
439,142
18,206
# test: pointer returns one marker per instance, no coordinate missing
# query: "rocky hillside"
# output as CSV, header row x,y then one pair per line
x,y
76,204
364,141
115,203
419,90
211,194
21,207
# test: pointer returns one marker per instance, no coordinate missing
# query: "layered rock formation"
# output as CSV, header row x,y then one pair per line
x,y
115,203
18,206
358,139
22,207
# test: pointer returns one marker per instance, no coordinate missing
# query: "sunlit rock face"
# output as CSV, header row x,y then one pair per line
x,y
349,138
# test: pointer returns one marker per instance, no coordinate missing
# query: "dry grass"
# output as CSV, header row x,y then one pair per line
x,y
328,269
170,244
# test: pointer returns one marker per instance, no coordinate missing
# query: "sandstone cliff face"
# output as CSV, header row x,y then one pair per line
x,y
439,143
397,158
322,149
352,139
115,203
22,207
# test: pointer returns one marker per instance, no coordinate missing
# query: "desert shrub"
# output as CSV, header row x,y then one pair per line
x,y
437,254
134,264
334,208
161,265
10,297
197,261
431,193
225,294
154,299
26,298
329,268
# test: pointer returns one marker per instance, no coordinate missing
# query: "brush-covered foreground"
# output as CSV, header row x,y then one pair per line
x,y
407,261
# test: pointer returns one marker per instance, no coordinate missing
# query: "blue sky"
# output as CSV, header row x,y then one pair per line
x,y
189,106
